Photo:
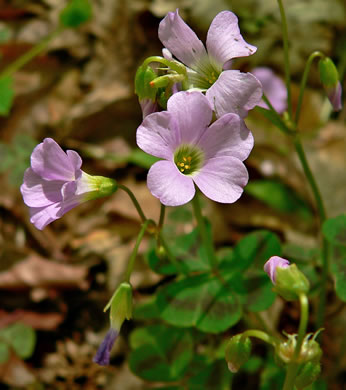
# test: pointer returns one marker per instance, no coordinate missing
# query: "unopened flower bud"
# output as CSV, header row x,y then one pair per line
x,y
330,79
144,76
307,374
289,281
121,309
120,305
238,352
167,80
271,265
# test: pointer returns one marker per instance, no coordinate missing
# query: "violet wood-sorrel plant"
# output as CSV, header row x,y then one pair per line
x,y
194,107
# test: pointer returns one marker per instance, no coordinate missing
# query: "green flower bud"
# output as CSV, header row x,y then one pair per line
x,y
328,73
120,305
238,352
144,76
290,283
307,374
330,79
167,80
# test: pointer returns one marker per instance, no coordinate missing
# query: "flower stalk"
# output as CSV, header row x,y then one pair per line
x,y
293,366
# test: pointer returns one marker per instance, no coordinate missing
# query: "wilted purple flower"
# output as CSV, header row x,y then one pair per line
x,y
271,265
227,90
55,183
334,96
210,157
273,87
103,353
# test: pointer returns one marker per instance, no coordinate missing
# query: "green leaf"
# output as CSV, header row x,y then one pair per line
x,y
160,353
259,295
7,156
146,310
278,196
4,352
6,95
338,268
254,250
334,230
187,250
207,375
22,339
76,13
201,301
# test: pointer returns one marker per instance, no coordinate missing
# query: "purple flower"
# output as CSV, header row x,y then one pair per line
x,y
227,90
271,265
194,152
334,96
103,353
273,87
55,183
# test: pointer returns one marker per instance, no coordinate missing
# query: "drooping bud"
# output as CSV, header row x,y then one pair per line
x,y
330,80
288,280
120,305
307,375
120,309
238,352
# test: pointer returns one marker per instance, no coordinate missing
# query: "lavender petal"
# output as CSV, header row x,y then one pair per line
x,y
222,179
166,183
224,40
234,92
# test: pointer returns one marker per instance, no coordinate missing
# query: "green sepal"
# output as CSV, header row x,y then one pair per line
x,y
238,351
120,305
329,75
290,283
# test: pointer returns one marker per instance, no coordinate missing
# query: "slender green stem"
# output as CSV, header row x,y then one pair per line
x,y
325,246
286,56
277,120
174,65
133,256
308,64
293,366
207,242
162,216
30,54
302,157
134,201
260,335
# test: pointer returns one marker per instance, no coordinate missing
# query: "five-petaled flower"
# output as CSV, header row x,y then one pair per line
x,y
194,152
229,91
54,183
